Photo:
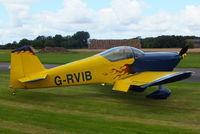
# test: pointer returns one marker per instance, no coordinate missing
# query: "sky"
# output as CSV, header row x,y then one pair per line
x,y
103,19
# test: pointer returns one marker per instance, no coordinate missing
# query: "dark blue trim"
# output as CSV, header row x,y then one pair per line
x,y
156,61
36,80
169,79
24,48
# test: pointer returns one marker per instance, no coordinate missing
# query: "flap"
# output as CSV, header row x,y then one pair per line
x,y
33,77
146,79
122,85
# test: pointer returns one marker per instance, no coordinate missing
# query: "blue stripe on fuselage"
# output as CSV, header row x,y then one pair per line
x,y
156,61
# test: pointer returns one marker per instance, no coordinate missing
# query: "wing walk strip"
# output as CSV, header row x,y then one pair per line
x,y
146,79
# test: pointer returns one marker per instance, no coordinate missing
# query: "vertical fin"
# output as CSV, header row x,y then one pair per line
x,y
23,63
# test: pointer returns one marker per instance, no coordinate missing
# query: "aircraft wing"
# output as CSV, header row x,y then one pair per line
x,y
146,79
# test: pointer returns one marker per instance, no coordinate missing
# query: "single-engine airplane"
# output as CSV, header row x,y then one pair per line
x,y
127,67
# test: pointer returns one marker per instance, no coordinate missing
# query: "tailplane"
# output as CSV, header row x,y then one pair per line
x,y
24,62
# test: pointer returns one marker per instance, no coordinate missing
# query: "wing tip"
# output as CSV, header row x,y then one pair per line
x,y
171,78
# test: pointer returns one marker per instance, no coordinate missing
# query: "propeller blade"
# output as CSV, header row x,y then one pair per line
x,y
183,50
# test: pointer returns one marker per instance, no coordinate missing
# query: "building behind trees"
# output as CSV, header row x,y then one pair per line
x,y
106,44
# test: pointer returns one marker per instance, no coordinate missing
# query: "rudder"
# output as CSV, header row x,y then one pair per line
x,y
23,63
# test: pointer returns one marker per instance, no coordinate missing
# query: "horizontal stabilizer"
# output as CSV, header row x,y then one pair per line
x,y
33,78
25,67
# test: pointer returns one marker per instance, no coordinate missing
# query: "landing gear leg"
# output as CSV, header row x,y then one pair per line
x,y
161,93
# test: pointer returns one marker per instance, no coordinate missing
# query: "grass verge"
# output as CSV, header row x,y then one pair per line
x,y
97,109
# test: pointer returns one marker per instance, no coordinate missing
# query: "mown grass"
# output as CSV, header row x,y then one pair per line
x,y
97,109
52,58
62,58
191,61
5,50
5,55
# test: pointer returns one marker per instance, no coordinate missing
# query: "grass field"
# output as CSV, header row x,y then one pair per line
x,y
95,109
51,58
62,58
191,61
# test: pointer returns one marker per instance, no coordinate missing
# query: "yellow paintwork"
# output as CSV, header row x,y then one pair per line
x,y
140,79
184,55
23,64
28,72
122,85
32,77
26,67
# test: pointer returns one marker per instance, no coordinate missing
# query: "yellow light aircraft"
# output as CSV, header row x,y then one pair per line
x,y
127,67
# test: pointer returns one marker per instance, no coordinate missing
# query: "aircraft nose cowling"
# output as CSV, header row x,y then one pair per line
x,y
156,61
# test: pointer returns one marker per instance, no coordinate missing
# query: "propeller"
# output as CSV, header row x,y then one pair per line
x,y
183,50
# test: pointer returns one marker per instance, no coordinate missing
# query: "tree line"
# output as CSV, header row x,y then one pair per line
x,y
166,41
81,39
78,40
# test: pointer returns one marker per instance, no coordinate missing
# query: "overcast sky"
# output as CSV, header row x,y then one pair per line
x,y
103,19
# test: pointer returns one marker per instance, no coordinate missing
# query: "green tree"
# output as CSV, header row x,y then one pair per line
x,y
78,40
41,38
24,42
49,43
37,44
81,38
58,39
190,44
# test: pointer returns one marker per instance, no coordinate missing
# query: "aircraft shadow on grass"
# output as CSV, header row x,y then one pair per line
x,y
99,93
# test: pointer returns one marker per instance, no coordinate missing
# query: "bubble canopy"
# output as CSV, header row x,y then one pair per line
x,y
121,53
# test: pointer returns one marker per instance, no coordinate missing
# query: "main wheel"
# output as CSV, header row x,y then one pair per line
x,y
163,93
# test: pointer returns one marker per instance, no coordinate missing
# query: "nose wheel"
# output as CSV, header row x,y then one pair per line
x,y
161,93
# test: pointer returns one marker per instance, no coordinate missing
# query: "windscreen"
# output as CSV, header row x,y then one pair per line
x,y
118,53
137,53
